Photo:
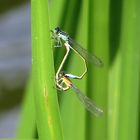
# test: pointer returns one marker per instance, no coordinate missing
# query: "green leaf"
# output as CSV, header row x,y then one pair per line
x,y
46,103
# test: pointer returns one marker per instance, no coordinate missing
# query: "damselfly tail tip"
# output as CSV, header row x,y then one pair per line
x,y
100,63
99,113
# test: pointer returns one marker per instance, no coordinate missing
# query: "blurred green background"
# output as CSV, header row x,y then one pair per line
x,y
108,29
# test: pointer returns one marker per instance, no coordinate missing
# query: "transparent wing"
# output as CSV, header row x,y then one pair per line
x,y
83,52
87,102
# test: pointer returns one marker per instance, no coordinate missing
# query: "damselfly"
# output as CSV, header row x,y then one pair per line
x,y
64,83
62,39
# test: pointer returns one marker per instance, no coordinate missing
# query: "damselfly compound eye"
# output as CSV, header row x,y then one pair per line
x,y
57,30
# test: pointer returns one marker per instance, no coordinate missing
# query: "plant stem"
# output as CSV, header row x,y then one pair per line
x,y
130,68
27,125
46,103
97,85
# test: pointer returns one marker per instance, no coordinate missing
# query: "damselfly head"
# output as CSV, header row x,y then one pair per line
x,y
58,35
57,30
61,74
55,34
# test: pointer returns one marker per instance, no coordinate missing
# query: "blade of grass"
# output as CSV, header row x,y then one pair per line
x,y
97,84
130,68
27,126
113,97
73,113
69,105
46,104
56,10
115,68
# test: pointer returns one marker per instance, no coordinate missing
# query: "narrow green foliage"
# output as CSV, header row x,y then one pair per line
x,y
27,125
72,110
97,84
130,68
46,104
108,29
113,97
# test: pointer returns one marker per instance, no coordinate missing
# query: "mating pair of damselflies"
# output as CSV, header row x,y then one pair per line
x,y
63,81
